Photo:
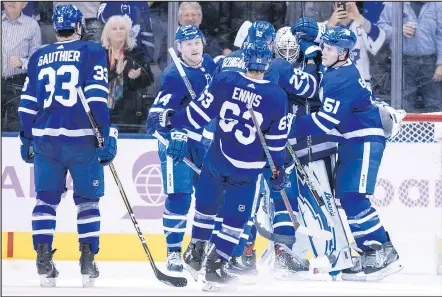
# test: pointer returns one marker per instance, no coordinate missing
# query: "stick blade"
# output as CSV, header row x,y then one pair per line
x,y
174,281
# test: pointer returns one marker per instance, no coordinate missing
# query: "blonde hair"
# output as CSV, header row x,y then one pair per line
x,y
118,19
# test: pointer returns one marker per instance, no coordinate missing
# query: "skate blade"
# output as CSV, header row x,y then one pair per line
x,y
47,282
217,287
392,268
88,282
193,272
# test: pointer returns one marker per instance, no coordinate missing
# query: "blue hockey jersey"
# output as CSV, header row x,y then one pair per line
x,y
346,105
281,72
227,97
173,94
49,104
320,146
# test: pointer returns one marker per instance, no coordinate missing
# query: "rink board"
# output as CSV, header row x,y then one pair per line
x,y
408,197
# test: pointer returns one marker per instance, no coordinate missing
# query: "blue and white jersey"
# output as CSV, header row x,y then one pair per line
x,y
173,94
346,105
281,72
321,146
235,138
49,104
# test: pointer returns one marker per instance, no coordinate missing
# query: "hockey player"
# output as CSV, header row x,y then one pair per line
x,y
294,82
236,157
57,137
348,111
178,178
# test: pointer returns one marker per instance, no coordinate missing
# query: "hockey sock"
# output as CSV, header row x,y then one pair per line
x,y
174,220
88,222
44,218
363,219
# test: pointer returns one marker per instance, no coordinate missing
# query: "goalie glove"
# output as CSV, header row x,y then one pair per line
x,y
391,118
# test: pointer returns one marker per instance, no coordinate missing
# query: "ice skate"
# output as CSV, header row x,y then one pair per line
x,y
287,266
174,262
193,257
248,259
217,277
381,260
88,267
45,266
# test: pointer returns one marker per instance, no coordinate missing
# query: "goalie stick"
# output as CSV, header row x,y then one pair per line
x,y
167,279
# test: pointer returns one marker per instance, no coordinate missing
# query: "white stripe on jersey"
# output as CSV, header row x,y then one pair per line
x,y
28,97
319,124
191,120
364,170
200,111
328,118
242,164
96,99
27,110
62,131
96,86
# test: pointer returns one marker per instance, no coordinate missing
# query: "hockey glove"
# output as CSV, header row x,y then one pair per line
x,y
308,29
177,148
159,121
107,153
310,49
26,148
277,183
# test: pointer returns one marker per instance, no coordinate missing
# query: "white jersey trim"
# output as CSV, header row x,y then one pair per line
x,y
62,131
242,164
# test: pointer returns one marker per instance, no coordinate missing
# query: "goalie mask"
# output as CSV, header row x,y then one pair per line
x,y
286,45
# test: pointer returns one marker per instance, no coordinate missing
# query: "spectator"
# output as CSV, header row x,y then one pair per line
x,y
129,72
21,36
158,13
319,11
31,10
94,27
370,37
422,53
139,13
234,13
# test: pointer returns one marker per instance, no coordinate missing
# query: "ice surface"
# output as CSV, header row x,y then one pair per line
x,y
19,278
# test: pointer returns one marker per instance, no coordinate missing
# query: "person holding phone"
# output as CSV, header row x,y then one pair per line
x,y
129,72
370,37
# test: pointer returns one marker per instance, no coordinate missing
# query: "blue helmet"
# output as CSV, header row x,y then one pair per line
x,y
189,32
66,17
258,56
340,37
260,30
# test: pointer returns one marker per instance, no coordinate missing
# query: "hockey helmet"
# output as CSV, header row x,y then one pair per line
x,y
258,56
189,32
286,45
66,17
340,37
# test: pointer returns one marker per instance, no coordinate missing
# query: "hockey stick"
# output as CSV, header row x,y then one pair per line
x,y
302,229
167,279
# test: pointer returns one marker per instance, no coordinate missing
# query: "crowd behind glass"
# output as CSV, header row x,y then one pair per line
x,y
135,37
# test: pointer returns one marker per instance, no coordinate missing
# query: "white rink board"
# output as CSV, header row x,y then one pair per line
x,y
415,227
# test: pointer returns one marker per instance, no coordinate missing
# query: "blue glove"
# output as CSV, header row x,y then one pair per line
x,y
310,49
305,28
177,148
278,183
26,149
107,153
159,121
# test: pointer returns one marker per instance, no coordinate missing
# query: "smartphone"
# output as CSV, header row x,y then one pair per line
x,y
341,5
